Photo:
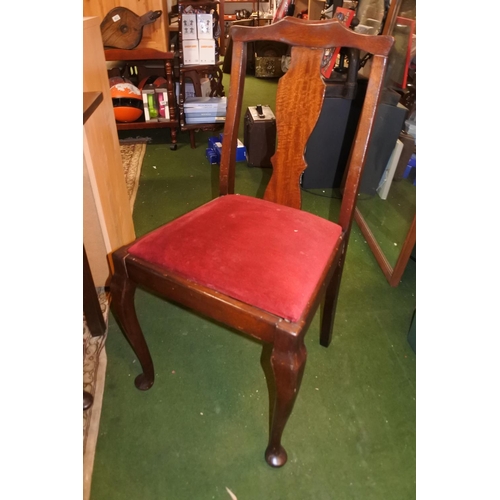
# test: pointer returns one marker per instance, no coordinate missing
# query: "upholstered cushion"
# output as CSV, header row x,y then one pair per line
x,y
261,253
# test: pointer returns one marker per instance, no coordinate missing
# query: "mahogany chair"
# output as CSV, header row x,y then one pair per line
x,y
261,266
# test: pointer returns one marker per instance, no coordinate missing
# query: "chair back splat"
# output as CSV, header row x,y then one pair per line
x,y
262,266
298,103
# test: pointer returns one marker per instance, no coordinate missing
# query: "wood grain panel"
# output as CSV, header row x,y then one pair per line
x,y
154,36
103,170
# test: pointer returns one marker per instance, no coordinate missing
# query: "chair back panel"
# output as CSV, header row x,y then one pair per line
x,y
299,102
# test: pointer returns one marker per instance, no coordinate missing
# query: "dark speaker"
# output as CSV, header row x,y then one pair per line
x,y
325,143
387,127
324,147
259,136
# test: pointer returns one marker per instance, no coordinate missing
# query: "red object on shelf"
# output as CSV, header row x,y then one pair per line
x,y
281,11
345,17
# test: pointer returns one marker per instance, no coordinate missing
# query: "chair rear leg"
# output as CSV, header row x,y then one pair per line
x,y
288,359
122,303
330,304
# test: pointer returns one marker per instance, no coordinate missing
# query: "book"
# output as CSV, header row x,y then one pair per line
x,y
204,119
192,102
210,104
199,114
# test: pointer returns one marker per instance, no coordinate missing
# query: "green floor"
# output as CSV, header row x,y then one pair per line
x,y
202,428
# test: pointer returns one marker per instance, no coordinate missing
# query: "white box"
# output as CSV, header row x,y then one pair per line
x,y
189,31
205,26
190,52
207,51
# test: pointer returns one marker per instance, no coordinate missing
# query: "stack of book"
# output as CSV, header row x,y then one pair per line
x,y
205,110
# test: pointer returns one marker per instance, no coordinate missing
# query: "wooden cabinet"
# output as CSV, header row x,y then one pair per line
x,y
107,217
154,36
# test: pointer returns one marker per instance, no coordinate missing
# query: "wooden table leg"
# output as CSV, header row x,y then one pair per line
x,y
91,305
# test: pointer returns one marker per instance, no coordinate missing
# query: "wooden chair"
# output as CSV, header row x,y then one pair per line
x,y
261,266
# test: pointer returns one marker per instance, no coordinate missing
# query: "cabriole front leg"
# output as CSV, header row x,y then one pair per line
x,y
122,303
288,359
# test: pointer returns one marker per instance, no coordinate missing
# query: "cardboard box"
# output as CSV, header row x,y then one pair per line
x,y
215,144
205,26
190,52
150,104
212,156
189,30
241,151
162,100
207,51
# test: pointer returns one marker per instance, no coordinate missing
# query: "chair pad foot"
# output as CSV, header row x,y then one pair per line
x,y
276,458
142,383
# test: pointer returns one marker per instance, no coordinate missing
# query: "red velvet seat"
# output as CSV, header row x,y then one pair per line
x,y
260,266
250,249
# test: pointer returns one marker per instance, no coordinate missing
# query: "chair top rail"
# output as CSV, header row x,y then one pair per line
x,y
331,33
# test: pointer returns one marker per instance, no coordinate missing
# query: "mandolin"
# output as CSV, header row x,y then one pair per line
x,y
122,28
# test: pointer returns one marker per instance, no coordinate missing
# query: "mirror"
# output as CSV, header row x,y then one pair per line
x,y
386,206
389,225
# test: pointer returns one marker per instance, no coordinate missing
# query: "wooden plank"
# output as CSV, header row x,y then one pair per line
x,y
103,170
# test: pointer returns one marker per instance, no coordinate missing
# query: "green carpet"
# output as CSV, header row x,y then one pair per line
x,y
203,426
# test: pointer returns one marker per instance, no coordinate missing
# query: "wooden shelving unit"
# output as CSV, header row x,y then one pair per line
x,y
139,56
194,72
